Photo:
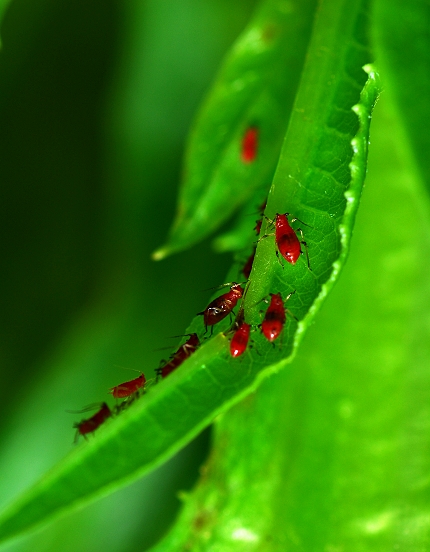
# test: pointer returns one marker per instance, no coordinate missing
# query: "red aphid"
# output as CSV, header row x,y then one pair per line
x,y
286,239
222,306
179,356
187,348
274,318
246,270
240,339
249,145
168,368
128,387
258,224
91,424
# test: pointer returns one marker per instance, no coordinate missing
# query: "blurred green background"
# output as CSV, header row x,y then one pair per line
x,y
96,99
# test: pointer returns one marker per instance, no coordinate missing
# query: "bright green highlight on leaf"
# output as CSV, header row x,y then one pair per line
x,y
255,88
318,179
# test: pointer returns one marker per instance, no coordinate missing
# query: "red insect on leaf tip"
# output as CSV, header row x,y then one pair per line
x,y
249,145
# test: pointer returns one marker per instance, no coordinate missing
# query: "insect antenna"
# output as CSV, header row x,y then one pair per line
x,y
92,406
228,284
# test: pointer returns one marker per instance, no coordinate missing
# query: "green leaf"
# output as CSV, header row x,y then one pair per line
x,y
332,454
319,179
255,88
402,45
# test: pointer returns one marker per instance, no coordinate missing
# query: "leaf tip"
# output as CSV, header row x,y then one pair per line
x,y
160,254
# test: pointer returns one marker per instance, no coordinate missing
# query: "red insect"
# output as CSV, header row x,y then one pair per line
x,y
249,145
222,306
128,387
287,241
179,356
275,317
246,270
240,339
91,424
258,224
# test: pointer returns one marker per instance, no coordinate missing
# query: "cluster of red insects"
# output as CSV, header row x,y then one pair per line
x,y
129,390
287,244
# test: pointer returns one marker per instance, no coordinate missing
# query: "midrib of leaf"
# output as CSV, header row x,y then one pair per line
x,y
211,381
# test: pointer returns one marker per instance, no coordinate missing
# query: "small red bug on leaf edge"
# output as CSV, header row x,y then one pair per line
x,y
91,424
128,388
184,351
222,306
